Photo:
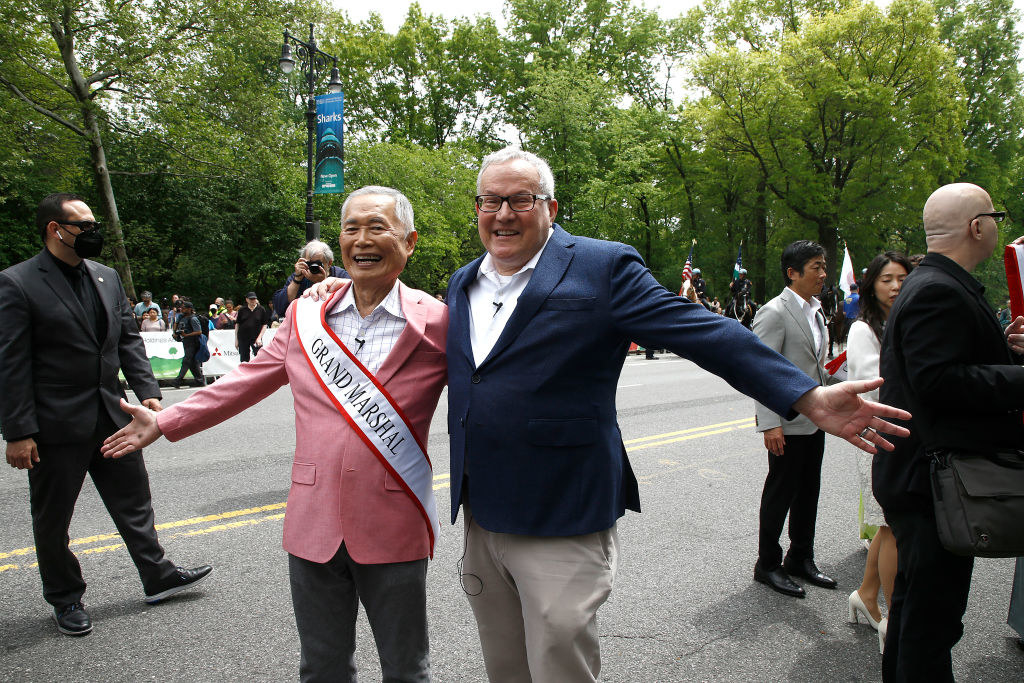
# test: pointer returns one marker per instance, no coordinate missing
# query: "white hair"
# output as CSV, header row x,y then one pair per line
x,y
317,248
403,207
510,153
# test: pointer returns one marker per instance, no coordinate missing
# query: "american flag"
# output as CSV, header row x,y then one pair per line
x,y
687,269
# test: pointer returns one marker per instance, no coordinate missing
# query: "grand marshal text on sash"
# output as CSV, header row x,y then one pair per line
x,y
368,408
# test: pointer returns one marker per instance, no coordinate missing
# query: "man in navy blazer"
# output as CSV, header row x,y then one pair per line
x,y
539,328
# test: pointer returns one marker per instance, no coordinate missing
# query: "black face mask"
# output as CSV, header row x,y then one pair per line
x,y
87,244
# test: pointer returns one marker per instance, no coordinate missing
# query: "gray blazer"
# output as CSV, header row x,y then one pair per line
x,y
55,375
782,326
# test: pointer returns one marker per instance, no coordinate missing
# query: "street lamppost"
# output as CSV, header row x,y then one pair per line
x,y
314,62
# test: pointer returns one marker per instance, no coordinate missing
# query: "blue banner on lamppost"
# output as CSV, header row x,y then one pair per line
x,y
330,127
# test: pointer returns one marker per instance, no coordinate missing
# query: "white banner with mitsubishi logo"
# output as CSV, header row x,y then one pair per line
x,y
165,354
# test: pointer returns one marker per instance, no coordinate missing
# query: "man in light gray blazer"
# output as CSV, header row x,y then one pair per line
x,y
792,324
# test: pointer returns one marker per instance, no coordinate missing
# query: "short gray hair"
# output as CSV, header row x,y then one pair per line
x,y
317,248
403,207
510,153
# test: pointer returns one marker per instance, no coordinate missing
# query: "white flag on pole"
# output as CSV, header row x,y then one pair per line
x,y
846,275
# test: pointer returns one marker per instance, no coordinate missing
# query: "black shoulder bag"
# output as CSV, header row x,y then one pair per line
x,y
979,502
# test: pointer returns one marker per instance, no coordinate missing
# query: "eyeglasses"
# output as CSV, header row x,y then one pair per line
x,y
997,216
491,203
84,226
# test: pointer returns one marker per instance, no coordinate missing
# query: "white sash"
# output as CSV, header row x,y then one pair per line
x,y
368,408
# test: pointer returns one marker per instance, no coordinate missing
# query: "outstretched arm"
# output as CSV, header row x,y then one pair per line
x,y
136,435
841,411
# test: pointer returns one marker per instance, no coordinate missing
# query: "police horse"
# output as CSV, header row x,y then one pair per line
x,y
740,308
835,318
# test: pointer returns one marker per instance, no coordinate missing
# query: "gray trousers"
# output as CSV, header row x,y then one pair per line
x,y
1016,616
326,599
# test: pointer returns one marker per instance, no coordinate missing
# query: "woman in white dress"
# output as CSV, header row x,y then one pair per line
x,y
878,291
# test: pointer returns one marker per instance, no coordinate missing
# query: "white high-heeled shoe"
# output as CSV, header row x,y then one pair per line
x,y
883,628
857,606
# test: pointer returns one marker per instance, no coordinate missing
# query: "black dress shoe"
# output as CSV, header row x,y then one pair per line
x,y
806,569
178,581
72,620
778,580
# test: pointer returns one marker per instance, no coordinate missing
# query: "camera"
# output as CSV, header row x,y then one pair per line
x,y
315,267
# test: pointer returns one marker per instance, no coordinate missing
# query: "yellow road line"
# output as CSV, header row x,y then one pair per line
x,y
222,515
229,525
85,540
747,421
686,438
443,481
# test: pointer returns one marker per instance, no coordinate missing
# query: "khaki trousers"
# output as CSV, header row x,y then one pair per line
x,y
535,600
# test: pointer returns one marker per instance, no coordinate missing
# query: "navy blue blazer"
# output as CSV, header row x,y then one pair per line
x,y
534,426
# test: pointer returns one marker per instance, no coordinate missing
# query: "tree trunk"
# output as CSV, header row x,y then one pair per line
x,y
648,246
828,237
760,242
101,177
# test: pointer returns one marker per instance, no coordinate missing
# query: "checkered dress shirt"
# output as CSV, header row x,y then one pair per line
x,y
379,331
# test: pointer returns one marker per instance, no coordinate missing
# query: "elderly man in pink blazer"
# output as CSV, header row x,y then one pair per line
x,y
366,369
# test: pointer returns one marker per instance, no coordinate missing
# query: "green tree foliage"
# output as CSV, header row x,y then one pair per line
x,y
984,37
851,122
985,41
753,121
433,82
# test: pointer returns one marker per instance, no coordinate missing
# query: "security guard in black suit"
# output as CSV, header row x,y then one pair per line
x,y
65,331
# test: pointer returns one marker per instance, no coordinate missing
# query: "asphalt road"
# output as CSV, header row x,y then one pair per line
x,y
684,607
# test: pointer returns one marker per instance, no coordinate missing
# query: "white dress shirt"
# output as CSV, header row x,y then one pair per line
x,y
493,298
811,310
378,331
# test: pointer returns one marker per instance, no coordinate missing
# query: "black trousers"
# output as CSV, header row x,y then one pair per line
x,y
246,349
190,364
791,487
928,602
123,484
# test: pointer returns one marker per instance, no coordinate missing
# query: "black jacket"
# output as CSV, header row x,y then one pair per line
x,y
55,375
944,359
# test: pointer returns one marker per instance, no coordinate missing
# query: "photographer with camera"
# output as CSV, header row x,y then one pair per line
x,y
315,264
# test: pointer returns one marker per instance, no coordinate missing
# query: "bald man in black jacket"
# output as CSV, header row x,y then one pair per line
x,y
945,359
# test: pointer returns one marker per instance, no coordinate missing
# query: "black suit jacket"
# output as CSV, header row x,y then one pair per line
x,y
55,375
944,359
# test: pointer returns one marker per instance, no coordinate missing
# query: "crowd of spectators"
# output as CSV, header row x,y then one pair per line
x,y
222,314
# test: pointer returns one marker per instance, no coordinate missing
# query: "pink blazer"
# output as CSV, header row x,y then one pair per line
x,y
339,490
